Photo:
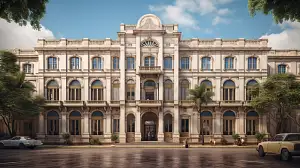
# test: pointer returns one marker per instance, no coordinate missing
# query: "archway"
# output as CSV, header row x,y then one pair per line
x,y
149,127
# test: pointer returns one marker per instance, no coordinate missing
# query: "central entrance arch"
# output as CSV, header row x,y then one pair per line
x,y
149,126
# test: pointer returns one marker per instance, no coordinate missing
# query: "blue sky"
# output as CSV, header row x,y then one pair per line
x,y
101,19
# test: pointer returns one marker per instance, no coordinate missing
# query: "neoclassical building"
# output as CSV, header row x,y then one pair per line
x,y
138,85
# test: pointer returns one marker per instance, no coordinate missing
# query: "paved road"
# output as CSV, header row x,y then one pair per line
x,y
125,158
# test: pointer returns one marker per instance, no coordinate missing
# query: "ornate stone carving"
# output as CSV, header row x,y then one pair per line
x,y
149,22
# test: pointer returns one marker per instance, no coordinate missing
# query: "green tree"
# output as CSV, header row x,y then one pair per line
x,y
282,10
23,11
200,95
17,101
277,97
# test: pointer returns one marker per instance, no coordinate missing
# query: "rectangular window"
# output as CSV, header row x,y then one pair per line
x,y
168,126
131,126
184,125
206,63
116,123
251,127
228,127
185,63
228,63
252,63
75,127
130,63
116,63
168,63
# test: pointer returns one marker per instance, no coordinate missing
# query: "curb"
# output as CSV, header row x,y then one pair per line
x,y
143,146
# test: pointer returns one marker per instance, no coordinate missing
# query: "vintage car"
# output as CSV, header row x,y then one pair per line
x,y
286,145
20,142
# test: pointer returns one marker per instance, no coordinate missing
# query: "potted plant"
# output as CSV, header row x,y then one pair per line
x,y
260,137
114,138
236,137
67,138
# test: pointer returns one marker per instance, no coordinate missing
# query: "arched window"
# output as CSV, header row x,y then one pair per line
x,y
228,123
75,90
27,68
130,123
168,63
168,91
185,63
130,63
52,63
97,63
208,85
229,91
116,64
74,63
75,123
97,123
184,89
229,61
168,123
130,90
149,61
115,90
149,88
281,69
252,63
205,63
52,123
149,43
52,90
252,123
206,122
249,89
97,90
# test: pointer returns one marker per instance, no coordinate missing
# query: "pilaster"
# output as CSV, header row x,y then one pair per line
x,y
122,134
161,127
241,122
41,133
218,123
138,126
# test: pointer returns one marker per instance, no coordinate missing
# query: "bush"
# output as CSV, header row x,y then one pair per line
x,y
235,136
223,141
260,136
95,141
66,137
114,137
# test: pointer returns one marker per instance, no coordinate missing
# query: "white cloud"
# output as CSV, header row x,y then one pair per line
x,y
224,11
182,11
14,36
219,20
289,38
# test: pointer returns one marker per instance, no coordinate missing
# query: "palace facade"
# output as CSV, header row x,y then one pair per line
x,y
138,85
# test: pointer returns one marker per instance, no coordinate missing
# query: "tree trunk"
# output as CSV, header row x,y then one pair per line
x,y
201,125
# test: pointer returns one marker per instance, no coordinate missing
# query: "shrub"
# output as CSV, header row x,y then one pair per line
x,y
66,137
223,141
114,137
95,141
260,136
235,136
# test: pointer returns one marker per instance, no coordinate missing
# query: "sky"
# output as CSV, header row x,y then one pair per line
x,y
99,19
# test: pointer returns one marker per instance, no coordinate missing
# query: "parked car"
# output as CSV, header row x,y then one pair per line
x,y
20,142
286,145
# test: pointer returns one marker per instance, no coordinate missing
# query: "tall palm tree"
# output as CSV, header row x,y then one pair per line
x,y
200,95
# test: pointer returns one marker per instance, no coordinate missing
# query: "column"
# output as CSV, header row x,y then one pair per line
x,y
86,127
63,89
161,126
41,133
86,89
161,88
194,126
176,124
108,89
218,123
176,92
108,126
63,122
137,126
122,135
241,122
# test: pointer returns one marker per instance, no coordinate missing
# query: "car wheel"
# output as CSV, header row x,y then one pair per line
x,y
261,151
22,146
32,147
285,155
1,146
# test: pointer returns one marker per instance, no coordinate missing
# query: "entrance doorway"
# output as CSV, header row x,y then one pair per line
x,y
149,127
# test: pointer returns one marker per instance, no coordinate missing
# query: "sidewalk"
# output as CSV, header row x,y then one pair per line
x,y
145,146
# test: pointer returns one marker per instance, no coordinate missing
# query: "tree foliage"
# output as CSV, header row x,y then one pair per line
x,y
17,100
23,11
201,96
282,10
278,96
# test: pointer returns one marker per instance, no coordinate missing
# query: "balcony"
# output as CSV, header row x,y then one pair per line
x,y
115,103
149,103
231,103
73,102
52,102
150,70
101,103
187,103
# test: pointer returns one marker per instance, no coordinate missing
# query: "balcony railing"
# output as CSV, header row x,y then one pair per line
x,y
150,70
51,101
115,102
96,101
73,101
150,103
187,103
